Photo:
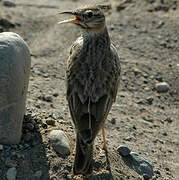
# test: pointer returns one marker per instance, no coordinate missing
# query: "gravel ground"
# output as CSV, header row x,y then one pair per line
x,y
144,117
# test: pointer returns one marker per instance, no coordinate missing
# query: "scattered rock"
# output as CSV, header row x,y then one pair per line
x,y
169,120
157,172
113,121
120,7
164,134
1,147
6,23
9,3
60,142
123,150
50,122
162,87
159,78
128,138
47,98
11,173
56,94
44,125
151,1
136,71
150,100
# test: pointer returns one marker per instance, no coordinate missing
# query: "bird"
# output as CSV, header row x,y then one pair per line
x,y
92,80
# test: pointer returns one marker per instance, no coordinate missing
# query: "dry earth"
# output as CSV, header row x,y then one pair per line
x,y
146,36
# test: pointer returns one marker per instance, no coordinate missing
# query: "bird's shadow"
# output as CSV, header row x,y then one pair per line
x,y
35,154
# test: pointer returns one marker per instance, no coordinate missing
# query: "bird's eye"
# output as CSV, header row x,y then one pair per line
x,y
89,14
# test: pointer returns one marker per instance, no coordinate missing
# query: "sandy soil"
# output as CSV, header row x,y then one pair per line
x,y
146,36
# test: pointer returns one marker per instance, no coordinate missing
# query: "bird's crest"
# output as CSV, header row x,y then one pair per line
x,y
102,6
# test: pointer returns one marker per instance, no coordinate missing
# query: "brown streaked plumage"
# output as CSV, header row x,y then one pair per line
x,y
92,79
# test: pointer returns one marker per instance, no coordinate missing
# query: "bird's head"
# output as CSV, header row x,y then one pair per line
x,y
90,18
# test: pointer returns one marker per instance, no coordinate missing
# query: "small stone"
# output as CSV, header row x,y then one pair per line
x,y
169,120
11,173
157,172
9,3
6,23
128,138
150,100
50,122
48,98
136,71
159,78
162,87
1,147
164,134
151,1
44,125
113,121
141,101
60,142
123,150
55,94
120,7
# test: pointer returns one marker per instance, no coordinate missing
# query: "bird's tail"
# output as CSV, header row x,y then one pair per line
x,y
84,156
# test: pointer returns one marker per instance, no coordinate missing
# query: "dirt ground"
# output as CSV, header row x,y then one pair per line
x,y
146,36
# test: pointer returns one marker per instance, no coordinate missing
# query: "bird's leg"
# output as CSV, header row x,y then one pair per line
x,y
104,139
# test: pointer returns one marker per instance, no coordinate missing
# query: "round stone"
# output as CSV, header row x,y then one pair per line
x,y
60,142
162,87
123,150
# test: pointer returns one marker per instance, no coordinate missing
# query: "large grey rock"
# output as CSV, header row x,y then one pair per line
x,y
60,142
14,78
139,164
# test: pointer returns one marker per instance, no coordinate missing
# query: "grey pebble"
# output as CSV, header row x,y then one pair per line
x,y
150,100
128,138
9,3
11,173
60,142
162,87
123,150
50,122
113,121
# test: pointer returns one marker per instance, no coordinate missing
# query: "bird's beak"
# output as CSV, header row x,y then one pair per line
x,y
74,20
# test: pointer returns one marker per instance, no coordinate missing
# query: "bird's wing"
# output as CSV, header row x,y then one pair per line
x,y
97,104
117,70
